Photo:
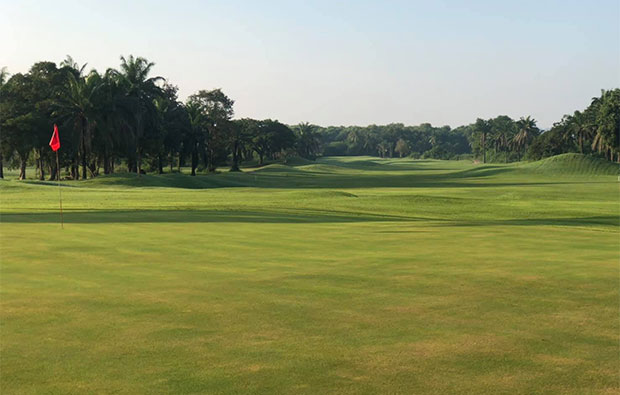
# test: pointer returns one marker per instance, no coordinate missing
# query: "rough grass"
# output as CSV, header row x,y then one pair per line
x,y
348,275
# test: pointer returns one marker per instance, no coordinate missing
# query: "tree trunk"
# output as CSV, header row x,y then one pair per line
x,y
131,165
210,162
235,159
22,168
194,162
83,148
106,163
53,171
171,160
41,171
1,166
484,148
138,162
94,171
84,172
160,164
260,158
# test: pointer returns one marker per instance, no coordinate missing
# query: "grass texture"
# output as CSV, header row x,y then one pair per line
x,y
346,275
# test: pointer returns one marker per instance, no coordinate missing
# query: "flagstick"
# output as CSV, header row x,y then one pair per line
x,y
59,190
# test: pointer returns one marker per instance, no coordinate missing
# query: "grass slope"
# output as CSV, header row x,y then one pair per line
x,y
348,275
575,164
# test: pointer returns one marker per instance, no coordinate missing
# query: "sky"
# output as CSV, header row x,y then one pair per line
x,y
342,62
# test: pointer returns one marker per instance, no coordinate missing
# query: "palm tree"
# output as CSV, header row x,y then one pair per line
x,y
77,107
482,128
73,65
607,136
599,142
526,131
111,120
580,128
196,135
140,93
309,141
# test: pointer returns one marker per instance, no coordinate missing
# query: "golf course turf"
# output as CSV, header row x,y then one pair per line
x,y
351,275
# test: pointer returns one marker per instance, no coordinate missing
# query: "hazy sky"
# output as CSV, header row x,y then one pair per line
x,y
342,62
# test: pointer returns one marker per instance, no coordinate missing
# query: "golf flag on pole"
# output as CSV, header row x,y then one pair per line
x,y
55,141
55,145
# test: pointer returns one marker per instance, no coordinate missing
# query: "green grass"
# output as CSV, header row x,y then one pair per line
x,y
574,164
347,275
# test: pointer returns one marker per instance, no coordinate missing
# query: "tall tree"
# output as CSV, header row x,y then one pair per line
x,y
173,124
308,140
607,135
580,129
76,107
526,131
193,141
482,129
217,111
140,93
270,138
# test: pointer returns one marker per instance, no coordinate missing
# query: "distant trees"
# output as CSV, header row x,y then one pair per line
x,y
77,106
139,94
270,138
402,148
607,130
128,117
215,110
308,141
593,130
526,132
482,129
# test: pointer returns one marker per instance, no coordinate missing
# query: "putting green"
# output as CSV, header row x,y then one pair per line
x,y
347,275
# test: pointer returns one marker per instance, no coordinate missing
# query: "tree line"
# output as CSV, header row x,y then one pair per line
x,y
595,130
127,117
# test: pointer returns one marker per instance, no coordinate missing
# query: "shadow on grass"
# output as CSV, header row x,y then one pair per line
x,y
301,180
287,177
612,220
197,216
297,216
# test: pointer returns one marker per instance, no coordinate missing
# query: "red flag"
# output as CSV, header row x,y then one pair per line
x,y
55,141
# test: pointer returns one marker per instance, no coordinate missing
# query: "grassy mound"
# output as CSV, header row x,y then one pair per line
x,y
574,164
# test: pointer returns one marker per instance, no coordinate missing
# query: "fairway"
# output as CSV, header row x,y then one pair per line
x,y
348,275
